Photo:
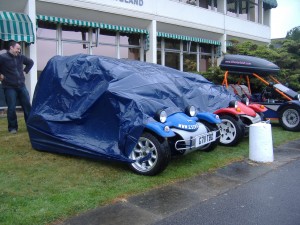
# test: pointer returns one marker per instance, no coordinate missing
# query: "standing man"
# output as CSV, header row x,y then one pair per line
x,y
13,82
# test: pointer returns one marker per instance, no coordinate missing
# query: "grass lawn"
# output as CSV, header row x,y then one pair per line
x,y
43,188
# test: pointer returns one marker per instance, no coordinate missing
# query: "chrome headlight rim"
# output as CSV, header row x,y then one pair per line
x,y
191,110
233,104
246,101
161,116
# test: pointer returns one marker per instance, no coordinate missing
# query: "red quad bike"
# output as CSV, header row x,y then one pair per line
x,y
236,120
281,102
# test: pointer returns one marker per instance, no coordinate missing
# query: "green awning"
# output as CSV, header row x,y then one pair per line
x,y
16,26
65,21
188,38
82,23
123,29
270,4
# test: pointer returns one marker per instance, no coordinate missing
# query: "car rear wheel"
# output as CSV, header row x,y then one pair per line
x,y
232,130
150,154
289,118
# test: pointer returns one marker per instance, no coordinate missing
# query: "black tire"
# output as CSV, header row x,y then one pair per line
x,y
289,118
232,130
156,154
212,145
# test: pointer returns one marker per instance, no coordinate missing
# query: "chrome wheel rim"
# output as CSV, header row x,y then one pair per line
x,y
144,154
290,118
228,131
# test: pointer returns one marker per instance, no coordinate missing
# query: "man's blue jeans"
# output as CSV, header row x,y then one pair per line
x,y
11,96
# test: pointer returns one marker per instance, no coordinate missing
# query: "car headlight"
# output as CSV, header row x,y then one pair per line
x,y
191,110
161,116
298,96
233,104
245,101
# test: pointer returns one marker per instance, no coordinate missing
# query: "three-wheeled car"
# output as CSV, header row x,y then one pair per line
x,y
282,102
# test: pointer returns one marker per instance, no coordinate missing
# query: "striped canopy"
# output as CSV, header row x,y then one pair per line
x,y
70,22
188,38
16,26
82,23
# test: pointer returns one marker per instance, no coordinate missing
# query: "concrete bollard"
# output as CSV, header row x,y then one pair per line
x,y
260,143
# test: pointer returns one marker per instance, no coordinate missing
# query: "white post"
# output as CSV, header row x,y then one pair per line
x,y
151,54
31,78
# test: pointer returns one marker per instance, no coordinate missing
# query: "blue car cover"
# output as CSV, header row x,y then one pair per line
x,y
97,107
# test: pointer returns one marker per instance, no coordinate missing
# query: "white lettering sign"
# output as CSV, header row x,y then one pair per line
x,y
133,2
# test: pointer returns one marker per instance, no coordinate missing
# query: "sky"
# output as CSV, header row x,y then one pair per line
x,y
284,17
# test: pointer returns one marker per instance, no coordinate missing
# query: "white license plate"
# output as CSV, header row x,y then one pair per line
x,y
205,139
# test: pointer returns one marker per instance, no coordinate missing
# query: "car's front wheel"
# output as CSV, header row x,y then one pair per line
x,y
289,118
232,130
150,154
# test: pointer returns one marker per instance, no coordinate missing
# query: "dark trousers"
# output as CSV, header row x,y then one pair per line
x,y
11,96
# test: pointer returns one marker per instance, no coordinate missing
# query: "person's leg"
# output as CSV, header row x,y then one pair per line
x,y
24,98
11,98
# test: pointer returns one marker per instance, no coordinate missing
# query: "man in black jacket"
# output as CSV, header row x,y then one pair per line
x,y
13,82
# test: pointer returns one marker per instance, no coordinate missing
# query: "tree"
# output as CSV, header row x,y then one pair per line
x,y
294,34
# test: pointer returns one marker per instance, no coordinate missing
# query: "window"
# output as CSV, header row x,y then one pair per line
x,y
74,40
46,33
184,55
46,49
172,60
189,62
130,46
232,7
253,11
56,39
172,44
243,9
72,48
105,50
205,62
46,44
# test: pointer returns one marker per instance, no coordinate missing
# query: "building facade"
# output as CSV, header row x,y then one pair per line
x,y
188,35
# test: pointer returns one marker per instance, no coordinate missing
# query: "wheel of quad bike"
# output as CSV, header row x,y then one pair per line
x,y
232,130
212,145
289,118
151,155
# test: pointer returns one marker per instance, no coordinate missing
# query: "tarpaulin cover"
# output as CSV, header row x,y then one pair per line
x,y
97,106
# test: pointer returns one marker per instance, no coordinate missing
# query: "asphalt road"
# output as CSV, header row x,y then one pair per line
x,y
272,199
243,193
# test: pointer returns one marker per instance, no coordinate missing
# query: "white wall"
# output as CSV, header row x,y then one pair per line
x,y
169,12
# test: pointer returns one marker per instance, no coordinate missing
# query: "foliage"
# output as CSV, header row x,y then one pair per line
x,y
294,34
214,74
284,53
190,65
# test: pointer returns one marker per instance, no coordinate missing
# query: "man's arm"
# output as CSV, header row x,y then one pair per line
x,y
1,75
28,64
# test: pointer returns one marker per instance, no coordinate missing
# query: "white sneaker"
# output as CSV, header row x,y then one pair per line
x,y
13,131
